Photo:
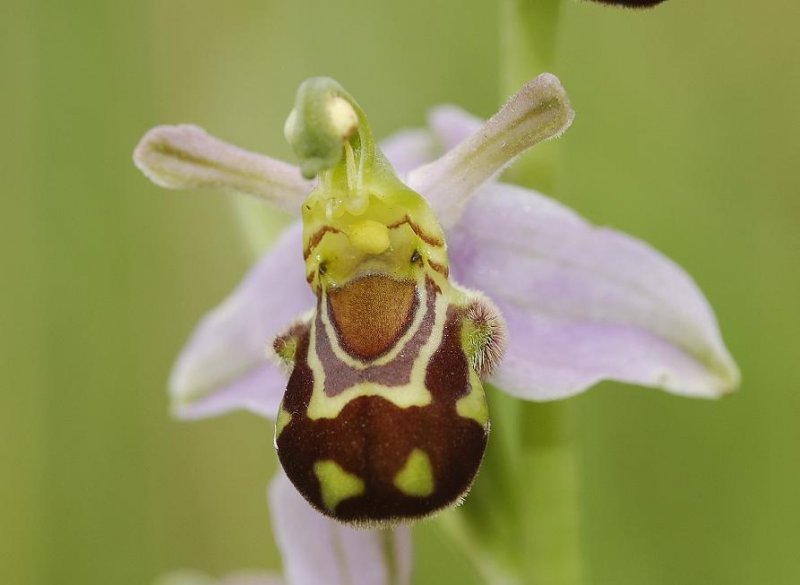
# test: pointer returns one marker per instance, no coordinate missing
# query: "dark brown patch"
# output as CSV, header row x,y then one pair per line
x,y
372,438
447,375
370,314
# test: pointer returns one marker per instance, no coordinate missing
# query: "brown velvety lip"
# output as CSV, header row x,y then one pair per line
x,y
371,313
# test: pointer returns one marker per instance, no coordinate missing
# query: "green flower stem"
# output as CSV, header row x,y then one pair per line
x,y
547,474
529,37
548,495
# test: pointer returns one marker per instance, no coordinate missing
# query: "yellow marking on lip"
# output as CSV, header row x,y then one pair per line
x,y
336,484
284,418
406,396
473,405
416,476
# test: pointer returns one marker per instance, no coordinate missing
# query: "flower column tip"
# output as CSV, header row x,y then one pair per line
x,y
322,122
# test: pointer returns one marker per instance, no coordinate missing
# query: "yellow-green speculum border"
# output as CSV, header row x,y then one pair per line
x,y
384,418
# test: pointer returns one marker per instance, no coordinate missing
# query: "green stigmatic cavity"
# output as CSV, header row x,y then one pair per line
x,y
384,418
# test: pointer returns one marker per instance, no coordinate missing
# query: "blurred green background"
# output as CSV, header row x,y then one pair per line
x,y
686,135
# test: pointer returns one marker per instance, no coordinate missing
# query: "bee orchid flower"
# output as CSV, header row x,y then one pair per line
x,y
582,303
394,255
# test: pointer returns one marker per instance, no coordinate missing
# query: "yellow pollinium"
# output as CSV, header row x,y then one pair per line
x,y
369,236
